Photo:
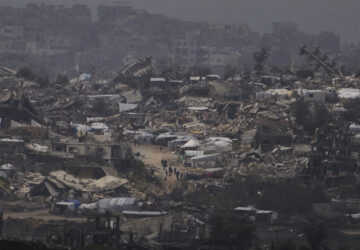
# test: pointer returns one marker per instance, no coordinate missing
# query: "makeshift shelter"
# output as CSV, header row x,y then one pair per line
x,y
98,127
315,95
66,207
205,161
144,138
175,144
113,205
348,93
191,145
273,94
139,214
186,157
217,145
8,169
163,139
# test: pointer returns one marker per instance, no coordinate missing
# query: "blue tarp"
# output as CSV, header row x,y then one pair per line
x,y
76,203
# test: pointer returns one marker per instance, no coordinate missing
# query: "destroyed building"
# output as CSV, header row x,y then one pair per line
x,y
73,148
16,111
155,133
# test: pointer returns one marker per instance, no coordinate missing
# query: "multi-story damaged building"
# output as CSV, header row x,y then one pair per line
x,y
17,111
188,51
72,148
269,135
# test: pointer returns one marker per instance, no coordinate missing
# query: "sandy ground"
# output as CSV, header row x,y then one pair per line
x,y
152,155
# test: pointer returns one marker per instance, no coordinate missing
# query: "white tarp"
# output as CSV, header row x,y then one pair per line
x,y
354,127
193,153
217,144
198,108
124,107
84,77
191,144
270,93
159,79
37,147
116,204
10,140
348,93
166,135
205,157
99,126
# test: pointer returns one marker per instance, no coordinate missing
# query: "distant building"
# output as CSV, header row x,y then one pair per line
x,y
187,52
217,60
73,148
284,29
111,13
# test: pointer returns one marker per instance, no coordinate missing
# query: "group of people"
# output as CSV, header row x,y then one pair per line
x,y
138,142
169,170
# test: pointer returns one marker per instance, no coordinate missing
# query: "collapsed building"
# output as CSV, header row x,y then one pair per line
x,y
77,148
110,156
16,111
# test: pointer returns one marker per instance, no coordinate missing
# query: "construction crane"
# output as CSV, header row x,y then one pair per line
x,y
321,60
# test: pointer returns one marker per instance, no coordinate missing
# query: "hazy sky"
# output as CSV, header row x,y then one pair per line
x,y
340,16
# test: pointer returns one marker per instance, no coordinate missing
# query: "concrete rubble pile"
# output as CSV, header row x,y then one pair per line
x,y
86,185
103,149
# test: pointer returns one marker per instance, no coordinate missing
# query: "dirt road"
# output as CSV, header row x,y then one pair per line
x,y
152,155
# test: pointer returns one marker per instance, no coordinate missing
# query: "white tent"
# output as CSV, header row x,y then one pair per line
x,y
217,144
191,144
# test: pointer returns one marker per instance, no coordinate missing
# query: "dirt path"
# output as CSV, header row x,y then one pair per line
x,y
152,156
